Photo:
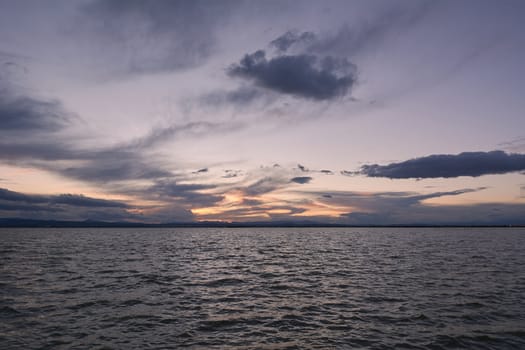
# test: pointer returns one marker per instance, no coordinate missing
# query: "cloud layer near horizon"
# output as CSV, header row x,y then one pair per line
x,y
447,166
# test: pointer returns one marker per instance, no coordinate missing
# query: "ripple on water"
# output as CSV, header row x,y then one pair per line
x,y
262,288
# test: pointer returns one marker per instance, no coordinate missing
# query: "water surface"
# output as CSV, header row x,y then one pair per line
x,y
271,288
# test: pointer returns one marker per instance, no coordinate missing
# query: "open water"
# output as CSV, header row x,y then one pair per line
x,y
271,288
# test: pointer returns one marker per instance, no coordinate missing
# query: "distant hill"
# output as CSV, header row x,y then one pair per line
x,y
19,222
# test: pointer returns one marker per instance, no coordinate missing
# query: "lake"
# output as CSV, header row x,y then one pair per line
x,y
262,288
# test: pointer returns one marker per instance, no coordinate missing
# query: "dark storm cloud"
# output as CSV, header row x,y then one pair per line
x,y
300,75
448,165
155,36
301,179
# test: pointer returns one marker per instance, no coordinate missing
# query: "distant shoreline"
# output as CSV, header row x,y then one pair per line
x,y
28,223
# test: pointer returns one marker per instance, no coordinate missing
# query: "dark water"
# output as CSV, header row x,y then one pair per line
x,y
262,288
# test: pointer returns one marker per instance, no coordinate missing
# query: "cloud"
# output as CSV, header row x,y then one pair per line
x,y
264,185
301,179
21,114
41,139
160,135
62,207
302,168
516,145
398,208
91,165
326,172
139,37
231,173
27,208
350,40
174,201
252,202
32,128
386,201
242,96
200,171
301,75
174,207
191,195
8,195
475,214
30,125
67,199
317,66
106,165
447,166
127,161
254,210
34,132
83,201
170,212
290,38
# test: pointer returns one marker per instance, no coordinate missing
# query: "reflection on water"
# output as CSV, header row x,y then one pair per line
x,y
275,288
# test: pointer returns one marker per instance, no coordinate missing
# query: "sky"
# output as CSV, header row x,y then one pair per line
x,y
350,112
